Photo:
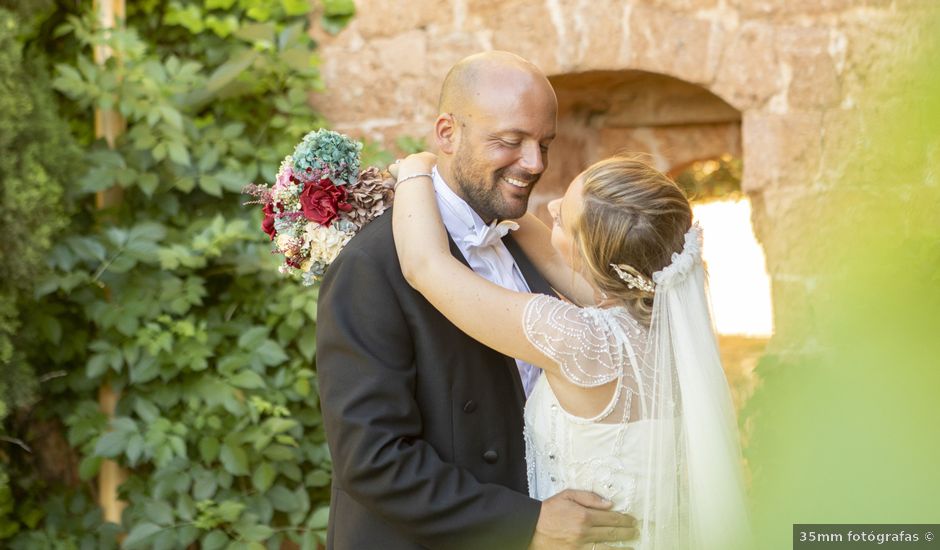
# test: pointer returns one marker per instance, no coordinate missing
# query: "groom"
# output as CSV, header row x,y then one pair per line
x,y
425,424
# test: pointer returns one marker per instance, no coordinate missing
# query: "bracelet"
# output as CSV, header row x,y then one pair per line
x,y
412,176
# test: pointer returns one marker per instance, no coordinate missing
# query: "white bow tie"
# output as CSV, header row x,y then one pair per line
x,y
490,234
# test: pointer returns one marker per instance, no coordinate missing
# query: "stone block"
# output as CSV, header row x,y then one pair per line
x,y
525,28
402,54
599,36
814,79
771,8
750,72
781,150
678,45
385,18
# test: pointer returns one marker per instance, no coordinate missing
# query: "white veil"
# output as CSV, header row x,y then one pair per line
x,y
695,495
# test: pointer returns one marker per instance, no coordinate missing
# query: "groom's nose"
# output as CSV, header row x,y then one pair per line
x,y
531,158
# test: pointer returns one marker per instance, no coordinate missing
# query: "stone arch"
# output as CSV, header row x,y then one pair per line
x,y
605,112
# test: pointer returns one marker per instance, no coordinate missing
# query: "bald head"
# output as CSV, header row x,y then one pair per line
x,y
496,122
473,78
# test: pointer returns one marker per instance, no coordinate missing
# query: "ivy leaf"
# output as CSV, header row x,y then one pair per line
x,y
89,467
230,510
283,499
318,478
211,185
214,540
158,512
296,7
248,380
146,409
178,153
208,449
219,4
334,8
264,476
252,338
234,459
135,448
255,532
307,345
319,519
204,485
271,353
171,116
111,444
140,535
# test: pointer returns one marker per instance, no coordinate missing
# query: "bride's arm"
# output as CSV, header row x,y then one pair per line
x,y
485,311
535,238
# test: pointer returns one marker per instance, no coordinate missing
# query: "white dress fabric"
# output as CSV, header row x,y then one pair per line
x,y
665,449
607,454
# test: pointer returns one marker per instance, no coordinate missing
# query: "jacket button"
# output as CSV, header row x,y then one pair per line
x,y
491,456
470,406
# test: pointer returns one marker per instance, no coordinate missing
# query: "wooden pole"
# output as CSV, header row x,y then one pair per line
x,y
109,125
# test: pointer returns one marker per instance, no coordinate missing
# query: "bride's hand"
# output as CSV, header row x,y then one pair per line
x,y
418,163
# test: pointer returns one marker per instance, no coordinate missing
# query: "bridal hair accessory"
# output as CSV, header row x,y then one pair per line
x,y
319,201
633,278
682,263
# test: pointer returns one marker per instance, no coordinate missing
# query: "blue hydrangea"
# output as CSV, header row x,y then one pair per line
x,y
329,153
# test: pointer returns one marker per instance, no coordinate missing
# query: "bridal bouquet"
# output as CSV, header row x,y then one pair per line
x,y
319,201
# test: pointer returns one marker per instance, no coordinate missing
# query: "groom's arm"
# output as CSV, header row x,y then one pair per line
x,y
365,361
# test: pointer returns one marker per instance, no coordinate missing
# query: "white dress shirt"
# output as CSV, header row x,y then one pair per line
x,y
494,262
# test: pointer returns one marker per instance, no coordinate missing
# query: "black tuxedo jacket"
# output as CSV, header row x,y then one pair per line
x,y
424,424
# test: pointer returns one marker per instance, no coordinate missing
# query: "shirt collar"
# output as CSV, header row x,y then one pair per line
x,y
459,218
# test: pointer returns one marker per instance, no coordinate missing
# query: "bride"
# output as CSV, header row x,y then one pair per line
x,y
633,404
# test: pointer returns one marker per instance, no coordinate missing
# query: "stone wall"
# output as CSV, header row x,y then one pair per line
x,y
776,82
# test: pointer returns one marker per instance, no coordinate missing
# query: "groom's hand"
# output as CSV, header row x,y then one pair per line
x,y
580,519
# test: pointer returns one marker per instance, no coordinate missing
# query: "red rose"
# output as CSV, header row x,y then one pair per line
x,y
267,224
322,201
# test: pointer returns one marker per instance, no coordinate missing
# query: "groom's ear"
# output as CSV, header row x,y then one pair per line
x,y
446,133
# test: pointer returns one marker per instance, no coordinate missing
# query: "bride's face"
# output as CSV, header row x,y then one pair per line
x,y
565,213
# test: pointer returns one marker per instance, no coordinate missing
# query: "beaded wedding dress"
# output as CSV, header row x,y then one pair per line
x,y
665,448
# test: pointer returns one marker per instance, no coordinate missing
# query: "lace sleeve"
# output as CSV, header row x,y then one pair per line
x,y
580,340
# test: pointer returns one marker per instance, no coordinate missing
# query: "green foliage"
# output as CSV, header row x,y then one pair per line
x,y
712,179
36,161
171,296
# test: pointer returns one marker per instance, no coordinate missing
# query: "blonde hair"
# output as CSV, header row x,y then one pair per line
x,y
635,217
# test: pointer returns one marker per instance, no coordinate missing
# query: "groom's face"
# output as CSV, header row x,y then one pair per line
x,y
503,148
